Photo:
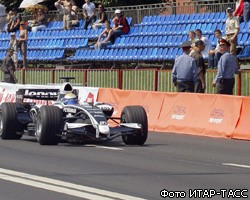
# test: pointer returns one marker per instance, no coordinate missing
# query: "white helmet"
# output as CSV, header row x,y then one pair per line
x,y
70,99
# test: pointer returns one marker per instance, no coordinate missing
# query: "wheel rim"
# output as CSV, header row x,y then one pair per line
x,y
38,127
1,124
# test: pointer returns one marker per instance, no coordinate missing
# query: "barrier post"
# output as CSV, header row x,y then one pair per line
x,y
120,79
239,84
156,80
85,78
23,75
53,76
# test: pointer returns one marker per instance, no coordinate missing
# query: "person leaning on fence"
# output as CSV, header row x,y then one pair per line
x,y
200,85
108,40
14,46
89,13
102,17
185,72
227,67
8,68
22,43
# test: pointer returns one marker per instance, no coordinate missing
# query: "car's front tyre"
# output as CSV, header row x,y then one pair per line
x,y
48,125
135,114
8,121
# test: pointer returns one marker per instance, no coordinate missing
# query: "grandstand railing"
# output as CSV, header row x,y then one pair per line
x,y
137,12
127,79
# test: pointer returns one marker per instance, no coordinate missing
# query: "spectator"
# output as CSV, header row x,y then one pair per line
x,y
232,30
121,25
14,46
184,72
40,21
192,37
109,37
67,8
89,12
227,67
60,8
8,68
14,24
9,16
102,17
239,10
2,17
208,46
246,11
22,43
200,85
216,53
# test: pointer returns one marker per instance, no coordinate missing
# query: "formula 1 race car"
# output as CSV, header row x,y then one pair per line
x,y
68,120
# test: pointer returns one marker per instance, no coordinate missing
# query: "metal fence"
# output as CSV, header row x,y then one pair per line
x,y
136,79
137,12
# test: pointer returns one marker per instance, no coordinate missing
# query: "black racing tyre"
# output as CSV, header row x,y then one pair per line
x,y
9,122
135,114
49,122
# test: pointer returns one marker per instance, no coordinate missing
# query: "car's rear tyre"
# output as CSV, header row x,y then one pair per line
x,y
135,114
9,122
49,123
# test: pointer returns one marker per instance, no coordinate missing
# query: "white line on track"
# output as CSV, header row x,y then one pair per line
x,y
236,165
62,187
105,147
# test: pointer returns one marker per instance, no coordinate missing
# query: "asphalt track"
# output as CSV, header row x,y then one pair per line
x,y
180,165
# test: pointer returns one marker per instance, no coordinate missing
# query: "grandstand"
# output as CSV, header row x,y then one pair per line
x,y
155,39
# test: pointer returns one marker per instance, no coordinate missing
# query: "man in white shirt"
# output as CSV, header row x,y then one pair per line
x,y
2,17
89,13
208,46
232,30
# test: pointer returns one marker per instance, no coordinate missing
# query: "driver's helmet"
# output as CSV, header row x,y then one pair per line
x,y
70,99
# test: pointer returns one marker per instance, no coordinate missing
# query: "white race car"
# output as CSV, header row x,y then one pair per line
x,y
68,120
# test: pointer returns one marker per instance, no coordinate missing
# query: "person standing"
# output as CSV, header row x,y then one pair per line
x,y
22,42
89,12
14,46
2,17
232,30
200,85
8,68
227,67
184,73
246,11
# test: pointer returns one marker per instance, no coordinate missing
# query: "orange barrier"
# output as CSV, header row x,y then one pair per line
x,y
189,113
242,130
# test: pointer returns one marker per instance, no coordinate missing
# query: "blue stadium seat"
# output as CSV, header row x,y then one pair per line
x,y
163,56
223,17
137,55
245,53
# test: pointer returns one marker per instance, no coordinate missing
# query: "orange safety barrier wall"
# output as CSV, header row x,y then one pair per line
x,y
189,113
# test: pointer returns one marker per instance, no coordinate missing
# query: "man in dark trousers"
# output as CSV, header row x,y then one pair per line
x,y
8,68
200,85
184,72
227,67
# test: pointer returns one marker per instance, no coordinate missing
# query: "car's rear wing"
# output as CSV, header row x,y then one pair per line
x,y
40,94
